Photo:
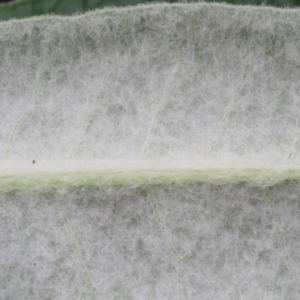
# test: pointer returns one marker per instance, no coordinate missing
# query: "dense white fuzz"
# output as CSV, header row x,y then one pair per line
x,y
151,153
173,81
197,241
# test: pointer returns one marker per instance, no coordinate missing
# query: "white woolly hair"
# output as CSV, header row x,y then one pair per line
x,y
197,81
129,141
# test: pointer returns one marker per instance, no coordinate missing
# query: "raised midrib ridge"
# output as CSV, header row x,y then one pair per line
x,y
146,177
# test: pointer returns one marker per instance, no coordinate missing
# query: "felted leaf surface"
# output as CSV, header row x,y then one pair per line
x,y
168,86
150,153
